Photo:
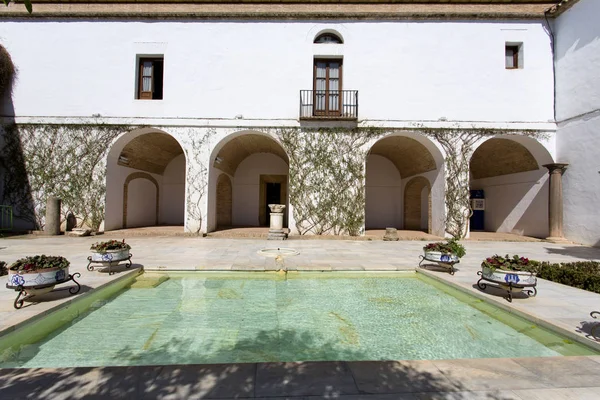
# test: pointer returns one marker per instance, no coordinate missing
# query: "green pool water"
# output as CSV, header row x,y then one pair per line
x,y
226,318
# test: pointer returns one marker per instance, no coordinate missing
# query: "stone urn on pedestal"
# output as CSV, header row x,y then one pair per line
x,y
276,222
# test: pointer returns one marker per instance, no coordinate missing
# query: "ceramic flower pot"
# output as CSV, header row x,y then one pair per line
x,y
440,257
110,256
40,277
516,279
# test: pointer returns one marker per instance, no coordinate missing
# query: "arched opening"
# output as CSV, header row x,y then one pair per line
x,y
145,181
257,168
224,201
402,173
508,172
417,205
140,200
329,37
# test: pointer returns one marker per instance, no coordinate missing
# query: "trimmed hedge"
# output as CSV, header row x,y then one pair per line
x,y
583,274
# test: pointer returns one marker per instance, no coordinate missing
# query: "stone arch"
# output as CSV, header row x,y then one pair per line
x,y
257,165
413,204
138,175
509,170
159,155
224,200
391,163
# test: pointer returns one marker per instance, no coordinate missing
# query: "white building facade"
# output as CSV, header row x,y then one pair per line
x,y
355,122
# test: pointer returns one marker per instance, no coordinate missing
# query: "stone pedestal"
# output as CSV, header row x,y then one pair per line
x,y
276,222
555,202
391,234
52,226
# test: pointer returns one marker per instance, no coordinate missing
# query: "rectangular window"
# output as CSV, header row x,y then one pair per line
x,y
513,56
150,84
327,87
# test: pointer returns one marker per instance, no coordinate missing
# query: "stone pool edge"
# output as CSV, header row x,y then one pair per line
x,y
62,313
504,305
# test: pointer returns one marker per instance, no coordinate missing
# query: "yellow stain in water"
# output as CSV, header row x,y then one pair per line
x,y
347,330
382,300
471,332
150,340
227,293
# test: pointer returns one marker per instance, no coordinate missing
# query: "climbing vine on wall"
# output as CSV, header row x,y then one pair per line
x,y
458,144
327,181
66,161
196,177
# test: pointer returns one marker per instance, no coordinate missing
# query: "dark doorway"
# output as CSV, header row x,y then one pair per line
x,y
273,197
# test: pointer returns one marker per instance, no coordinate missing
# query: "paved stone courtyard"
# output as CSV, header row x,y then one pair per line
x,y
566,309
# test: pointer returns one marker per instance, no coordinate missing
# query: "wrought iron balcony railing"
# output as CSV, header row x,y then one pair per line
x,y
329,104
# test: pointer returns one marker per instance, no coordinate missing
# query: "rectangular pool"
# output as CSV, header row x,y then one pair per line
x,y
197,318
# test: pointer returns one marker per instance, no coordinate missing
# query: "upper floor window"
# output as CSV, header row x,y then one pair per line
x,y
328,38
513,55
150,84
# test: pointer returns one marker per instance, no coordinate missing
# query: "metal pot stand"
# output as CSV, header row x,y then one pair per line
x,y
27,292
109,262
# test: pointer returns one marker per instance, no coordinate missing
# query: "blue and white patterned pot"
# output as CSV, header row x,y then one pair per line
x,y
506,278
440,257
37,278
110,256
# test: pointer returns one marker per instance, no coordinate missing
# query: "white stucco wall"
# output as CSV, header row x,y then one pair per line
x,y
383,194
577,59
516,203
172,193
246,186
403,70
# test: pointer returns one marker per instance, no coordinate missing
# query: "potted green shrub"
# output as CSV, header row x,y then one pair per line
x,y
38,271
512,274
110,250
109,253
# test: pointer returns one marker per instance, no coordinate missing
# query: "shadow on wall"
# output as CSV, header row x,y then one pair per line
x,y
323,379
580,34
15,190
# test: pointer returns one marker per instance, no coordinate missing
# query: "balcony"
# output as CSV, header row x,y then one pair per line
x,y
329,105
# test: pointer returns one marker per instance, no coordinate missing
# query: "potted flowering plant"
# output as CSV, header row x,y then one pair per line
x,y
450,250
109,253
111,250
445,254
38,271
511,273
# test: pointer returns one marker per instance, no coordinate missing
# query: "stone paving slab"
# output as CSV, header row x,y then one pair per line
x,y
444,379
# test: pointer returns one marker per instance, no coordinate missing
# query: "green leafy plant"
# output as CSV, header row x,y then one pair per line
x,y
508,263
582,274
450,246
103,247
36,263
3,269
